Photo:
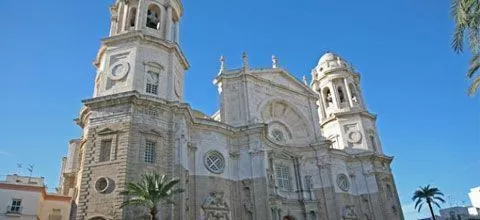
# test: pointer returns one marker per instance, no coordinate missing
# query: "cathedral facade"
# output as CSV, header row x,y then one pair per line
x,y
278,148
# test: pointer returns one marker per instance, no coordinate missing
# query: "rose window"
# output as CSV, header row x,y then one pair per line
x,y
214,162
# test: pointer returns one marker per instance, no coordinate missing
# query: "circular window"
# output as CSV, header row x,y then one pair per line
x,y
277,135
214,162
342,182
354,136
102,185
119,70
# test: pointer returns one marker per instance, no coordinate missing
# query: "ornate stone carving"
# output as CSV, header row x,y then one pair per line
x,y
354,137
215,207
349,212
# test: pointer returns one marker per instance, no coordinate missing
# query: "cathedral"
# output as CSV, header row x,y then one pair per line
x,y
278,148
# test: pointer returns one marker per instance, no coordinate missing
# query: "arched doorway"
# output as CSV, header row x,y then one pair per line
x,y
98,218
288,218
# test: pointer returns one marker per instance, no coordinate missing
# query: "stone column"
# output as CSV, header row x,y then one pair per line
x,y
168,32
335,98
162,20
349,93
177,34
141,19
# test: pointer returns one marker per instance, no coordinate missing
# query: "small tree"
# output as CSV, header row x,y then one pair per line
x,y
151,190
428,195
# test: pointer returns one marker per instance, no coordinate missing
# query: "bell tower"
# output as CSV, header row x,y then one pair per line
x,y
142,52
344,117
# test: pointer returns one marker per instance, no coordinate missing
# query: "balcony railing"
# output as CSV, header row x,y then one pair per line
x,y
15,210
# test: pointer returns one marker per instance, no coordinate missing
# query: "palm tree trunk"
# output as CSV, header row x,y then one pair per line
x,y
431,210
153,213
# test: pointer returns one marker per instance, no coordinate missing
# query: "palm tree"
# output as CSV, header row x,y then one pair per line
x,y
428,195
150,191
466,14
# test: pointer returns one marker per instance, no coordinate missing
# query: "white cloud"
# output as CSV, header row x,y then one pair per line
x,y
4,153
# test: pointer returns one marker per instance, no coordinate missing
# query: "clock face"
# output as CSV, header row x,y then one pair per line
x,y
342,182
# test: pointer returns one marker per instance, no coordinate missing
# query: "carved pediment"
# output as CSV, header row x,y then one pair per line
x,y
284,79
151,132
106,131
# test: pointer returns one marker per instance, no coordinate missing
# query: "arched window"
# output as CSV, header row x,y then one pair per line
x,y
153,17
341,95
132,18
328,97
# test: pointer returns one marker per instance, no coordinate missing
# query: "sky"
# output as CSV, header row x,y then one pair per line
x,y
410,76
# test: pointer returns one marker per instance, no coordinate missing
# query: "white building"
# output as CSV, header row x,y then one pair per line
x,y
278,148
25,198
474,195
457,213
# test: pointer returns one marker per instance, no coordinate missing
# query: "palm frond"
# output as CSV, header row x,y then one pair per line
x,y
474,86
474,65
436,203
134,202
420,207
150,191
419,201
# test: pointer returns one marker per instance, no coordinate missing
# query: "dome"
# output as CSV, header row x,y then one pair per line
x,y
327,57
331,62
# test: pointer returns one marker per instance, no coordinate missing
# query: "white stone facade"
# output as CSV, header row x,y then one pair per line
x,y
277,148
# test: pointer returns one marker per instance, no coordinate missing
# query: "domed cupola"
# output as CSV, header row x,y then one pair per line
x,y
330,63
338,85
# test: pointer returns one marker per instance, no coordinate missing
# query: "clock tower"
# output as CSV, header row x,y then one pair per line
x,y
135,120
142,52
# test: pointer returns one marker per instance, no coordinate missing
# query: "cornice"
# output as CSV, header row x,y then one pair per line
x,y
134,97
138,35
353,111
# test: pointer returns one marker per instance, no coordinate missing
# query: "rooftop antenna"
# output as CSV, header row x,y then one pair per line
x,y
19,166
30,170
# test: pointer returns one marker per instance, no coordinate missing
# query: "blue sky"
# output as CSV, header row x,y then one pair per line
x,y
410,76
